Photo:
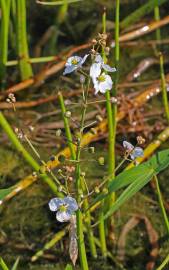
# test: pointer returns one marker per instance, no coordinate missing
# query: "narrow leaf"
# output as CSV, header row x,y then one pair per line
x,y
15,266
3,264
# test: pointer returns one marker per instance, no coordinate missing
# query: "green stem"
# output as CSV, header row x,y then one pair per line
x,y
88,224
67,127
163,263
102,233
164,87
5,9
56,3
73,156
80,233
33,60
157,18
13,138
22,45
160,199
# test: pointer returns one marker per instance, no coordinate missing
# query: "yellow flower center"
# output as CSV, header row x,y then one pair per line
x,y
74,61
63,208
101,78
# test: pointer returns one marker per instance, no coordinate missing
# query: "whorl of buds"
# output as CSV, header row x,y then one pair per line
x,y
11,98
140,140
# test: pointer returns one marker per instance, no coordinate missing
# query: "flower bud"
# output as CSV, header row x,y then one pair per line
x,y
96,190
94,41
83,174
82,79
91,149
101,161
58,133
99,118
93,131
34,174
105,191
68,114
107,50
140,140
59,171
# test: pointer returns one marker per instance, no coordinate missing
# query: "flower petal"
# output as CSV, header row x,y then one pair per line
x,y
106,85
96,85
95,70
55,203
138,152
128,146
83,59
71,202
69,69
108,68
98,59
63,216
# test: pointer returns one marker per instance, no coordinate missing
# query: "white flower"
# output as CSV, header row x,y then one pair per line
x,y
102,82
73,63
99,64
65,208
134,151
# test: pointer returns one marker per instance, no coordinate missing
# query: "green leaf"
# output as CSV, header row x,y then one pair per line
x,y
68,267
15,266
135,178
140,12
123,179
3,264
4,192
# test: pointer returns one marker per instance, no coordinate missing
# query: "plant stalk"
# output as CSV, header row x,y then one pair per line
x,y
160,199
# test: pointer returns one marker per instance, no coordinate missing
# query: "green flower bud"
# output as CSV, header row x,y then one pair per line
x,y
101,160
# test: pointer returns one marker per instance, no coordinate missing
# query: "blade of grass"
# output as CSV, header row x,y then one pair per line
x,y
140,12
15,266
3,264
136,178
166,261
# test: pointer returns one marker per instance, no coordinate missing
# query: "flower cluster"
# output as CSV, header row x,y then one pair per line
x,y
102,82
65,208
98,71
133,151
